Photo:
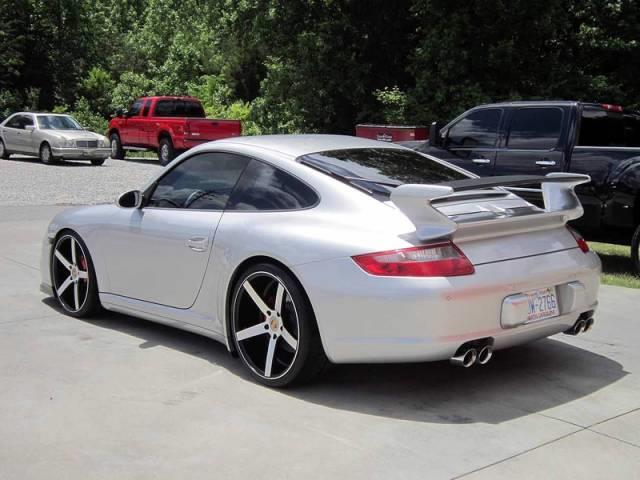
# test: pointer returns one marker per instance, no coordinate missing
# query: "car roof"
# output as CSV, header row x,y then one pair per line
x,y
305,144
524,103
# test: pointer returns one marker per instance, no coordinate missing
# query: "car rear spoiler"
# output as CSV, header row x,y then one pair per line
x,y
561,205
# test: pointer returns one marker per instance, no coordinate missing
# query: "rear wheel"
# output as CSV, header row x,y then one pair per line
x,y
73,276
4,154
46,156
635,250
273,327
117,151
166,152
97,161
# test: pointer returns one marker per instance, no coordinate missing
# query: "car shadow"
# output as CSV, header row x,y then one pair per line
x,y
143,160
517,382
65,163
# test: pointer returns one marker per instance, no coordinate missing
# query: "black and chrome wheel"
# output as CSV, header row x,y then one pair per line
x,y
46,156
73,277
4,154
273,327
115,144
166,152
97,161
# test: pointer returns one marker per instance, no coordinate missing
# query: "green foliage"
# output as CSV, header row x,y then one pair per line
x,y
317,65
85,116
394,104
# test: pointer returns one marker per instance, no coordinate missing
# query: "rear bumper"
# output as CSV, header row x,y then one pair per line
x,y
81,153
363,318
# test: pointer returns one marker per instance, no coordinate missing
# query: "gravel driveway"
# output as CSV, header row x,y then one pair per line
x,y
26,181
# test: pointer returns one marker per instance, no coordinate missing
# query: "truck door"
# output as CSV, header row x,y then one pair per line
x,y
471,141
533,146
130,128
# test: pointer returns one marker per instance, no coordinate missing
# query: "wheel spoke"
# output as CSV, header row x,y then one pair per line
x,y
270,352
64,286
76,295
256,298
73,251
293,343
251,332
62,260
279,297
83,274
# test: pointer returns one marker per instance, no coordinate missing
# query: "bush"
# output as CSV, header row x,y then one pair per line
x,y
85,116
394,104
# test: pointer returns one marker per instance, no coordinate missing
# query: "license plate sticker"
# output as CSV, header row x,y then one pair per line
x,y
543,304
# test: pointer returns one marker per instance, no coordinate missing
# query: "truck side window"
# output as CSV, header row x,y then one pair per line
x,y
478,129
135,108
600,128
535,128
165,108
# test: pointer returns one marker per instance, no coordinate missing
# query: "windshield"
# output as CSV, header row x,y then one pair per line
x,y
378,171
57,122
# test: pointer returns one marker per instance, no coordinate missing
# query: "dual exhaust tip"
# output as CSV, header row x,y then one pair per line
x,y
581,326
470,356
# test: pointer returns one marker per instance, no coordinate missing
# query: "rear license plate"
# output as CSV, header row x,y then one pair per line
x,y
542,304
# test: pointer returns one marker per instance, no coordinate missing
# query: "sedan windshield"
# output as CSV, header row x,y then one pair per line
x,y
377,171
57,122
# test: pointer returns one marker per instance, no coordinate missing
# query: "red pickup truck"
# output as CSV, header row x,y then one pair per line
x,y
167,125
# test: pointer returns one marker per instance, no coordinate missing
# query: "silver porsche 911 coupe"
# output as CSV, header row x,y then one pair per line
x,y
297,251
52,137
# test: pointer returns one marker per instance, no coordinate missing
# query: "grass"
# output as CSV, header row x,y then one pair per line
x,y
616,265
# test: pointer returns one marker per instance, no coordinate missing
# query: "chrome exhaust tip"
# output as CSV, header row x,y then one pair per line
x,y
588,324
465,359
484,355
578,327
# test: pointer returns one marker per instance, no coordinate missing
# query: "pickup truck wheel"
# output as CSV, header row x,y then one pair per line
x,y
117,151
166,152
635,250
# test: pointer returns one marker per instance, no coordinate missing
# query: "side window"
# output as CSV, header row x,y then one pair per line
x,y
145,109
535,128
134,110
27,120
599,128
478,129
165,108
15,122
202,182
263,187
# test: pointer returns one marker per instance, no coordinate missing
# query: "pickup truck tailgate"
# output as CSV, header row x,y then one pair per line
x,y
205,129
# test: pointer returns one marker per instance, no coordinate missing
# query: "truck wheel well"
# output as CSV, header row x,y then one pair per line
x,y
112,131
166,135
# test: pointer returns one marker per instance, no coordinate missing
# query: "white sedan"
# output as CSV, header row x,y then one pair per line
x,y
52,137
297,251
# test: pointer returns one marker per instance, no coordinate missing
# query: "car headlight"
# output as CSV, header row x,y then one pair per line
x,y
63,142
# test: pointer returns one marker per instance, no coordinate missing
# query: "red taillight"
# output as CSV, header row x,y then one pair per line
x,y
611,108
435,260
582,243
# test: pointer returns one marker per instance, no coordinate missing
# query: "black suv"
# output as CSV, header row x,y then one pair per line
x,y
601,140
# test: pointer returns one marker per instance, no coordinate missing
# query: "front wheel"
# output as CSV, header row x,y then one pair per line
x,y
4,154
117,151
97,161
166,152
635,250
73,276
273,327
46,156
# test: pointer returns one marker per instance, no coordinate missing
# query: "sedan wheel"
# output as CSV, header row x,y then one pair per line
x,y
72,276
3,151
273,328
46,156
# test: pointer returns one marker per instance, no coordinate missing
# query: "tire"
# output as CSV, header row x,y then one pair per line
x,y
117,151
73,276
46,155
97,161
166,152
4,154
281,345
635,250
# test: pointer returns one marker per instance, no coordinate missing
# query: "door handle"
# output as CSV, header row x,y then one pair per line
x,y
481,160
546,162
198,244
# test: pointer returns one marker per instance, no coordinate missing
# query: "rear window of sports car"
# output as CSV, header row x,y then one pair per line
x,y
377,171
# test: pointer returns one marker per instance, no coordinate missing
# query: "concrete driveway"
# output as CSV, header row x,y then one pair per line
x,y
118,397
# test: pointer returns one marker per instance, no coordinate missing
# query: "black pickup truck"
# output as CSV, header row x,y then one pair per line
x,y
540,137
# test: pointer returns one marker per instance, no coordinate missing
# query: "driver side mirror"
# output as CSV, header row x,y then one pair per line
x,y
131,199
435,138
